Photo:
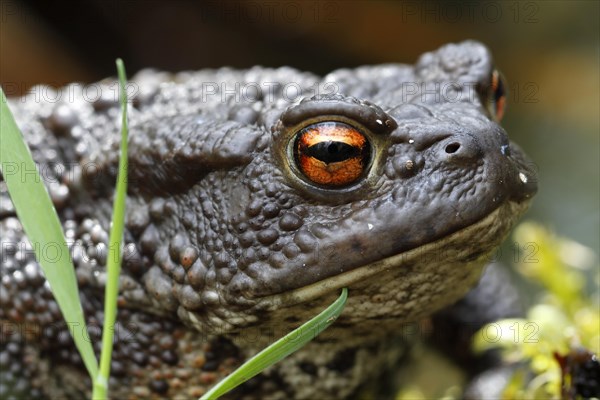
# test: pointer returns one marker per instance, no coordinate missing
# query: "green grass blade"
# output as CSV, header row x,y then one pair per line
x,y
280,349
42,226
114,255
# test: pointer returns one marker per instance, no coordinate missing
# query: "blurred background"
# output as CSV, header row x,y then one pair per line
x,y
547,50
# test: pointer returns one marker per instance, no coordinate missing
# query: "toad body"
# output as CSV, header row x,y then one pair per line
x,y
254,197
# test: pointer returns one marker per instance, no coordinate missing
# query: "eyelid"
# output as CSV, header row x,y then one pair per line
x,y
364,112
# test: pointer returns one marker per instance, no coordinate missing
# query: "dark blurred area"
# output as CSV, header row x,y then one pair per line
x,y
548,51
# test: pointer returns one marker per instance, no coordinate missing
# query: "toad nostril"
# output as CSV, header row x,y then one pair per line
x,y
452,147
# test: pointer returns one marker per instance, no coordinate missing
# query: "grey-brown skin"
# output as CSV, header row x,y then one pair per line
x,y
227,244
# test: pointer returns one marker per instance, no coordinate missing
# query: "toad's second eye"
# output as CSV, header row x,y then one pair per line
x,y
331,154
496,101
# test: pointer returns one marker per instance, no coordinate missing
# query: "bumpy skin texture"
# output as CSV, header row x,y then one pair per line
x,y
228,246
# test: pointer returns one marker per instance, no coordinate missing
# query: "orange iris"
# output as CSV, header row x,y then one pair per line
x,y
331,153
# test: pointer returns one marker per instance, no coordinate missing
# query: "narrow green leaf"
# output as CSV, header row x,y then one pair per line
x,y
280,349
42,226
114,254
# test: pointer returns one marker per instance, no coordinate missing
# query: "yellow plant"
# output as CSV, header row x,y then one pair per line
x,y
563,328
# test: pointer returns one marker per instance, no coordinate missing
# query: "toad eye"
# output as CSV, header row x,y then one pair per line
x,y
497,96
331,154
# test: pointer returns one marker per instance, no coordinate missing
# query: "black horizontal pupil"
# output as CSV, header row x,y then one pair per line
x,y
500,90
330,151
